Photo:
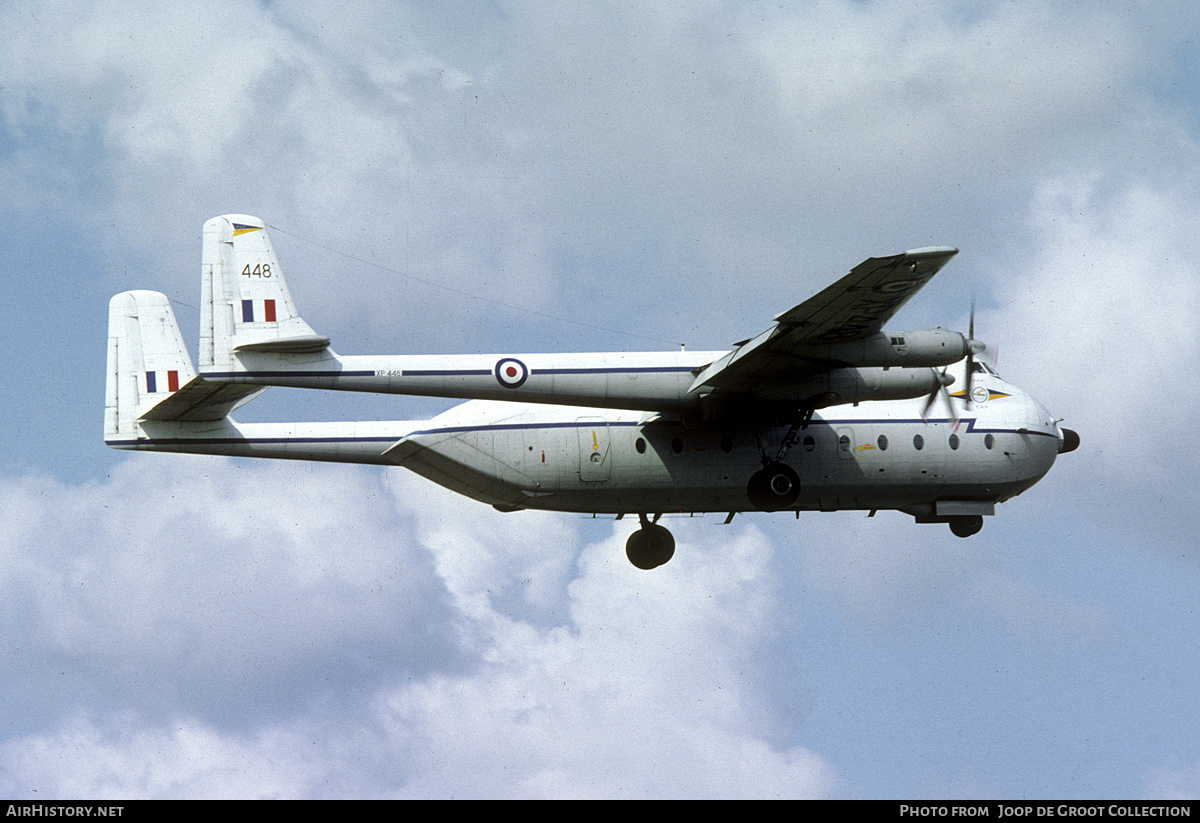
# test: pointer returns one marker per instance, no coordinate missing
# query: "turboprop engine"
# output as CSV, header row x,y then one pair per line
x,y
928,347
854,386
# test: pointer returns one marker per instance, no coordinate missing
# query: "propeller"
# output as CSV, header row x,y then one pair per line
x,y
974,347
943,380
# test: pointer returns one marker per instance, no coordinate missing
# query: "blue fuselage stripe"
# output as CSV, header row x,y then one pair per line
x,y
263,375
574,424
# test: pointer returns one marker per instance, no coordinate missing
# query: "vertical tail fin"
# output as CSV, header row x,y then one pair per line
x,y
147,360
150,375
245,302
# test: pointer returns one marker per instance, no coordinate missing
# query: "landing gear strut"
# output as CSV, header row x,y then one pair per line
x,y
651,545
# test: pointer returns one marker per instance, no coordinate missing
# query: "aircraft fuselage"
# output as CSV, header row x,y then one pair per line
x,y
876,456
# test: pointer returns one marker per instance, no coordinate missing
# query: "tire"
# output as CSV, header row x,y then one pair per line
x,y
966,526
774,488
650,546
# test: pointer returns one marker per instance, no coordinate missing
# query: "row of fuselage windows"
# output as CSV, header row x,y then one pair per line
x,y
918,442
844,443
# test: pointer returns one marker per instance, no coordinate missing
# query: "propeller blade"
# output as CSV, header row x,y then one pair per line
x,y
943,381
972,347
970,378
929,404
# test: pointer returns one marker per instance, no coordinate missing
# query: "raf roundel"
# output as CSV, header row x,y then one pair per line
x,y
511,373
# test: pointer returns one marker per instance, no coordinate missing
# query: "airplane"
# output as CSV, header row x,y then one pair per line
x,y
822,411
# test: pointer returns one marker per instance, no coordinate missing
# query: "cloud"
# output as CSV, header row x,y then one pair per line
x,y
1102,286
195,627
652,690
120,759
551,158
231,590
1172,782
192,626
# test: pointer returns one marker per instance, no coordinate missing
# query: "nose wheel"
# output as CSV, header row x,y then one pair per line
x,y
650,546
966,526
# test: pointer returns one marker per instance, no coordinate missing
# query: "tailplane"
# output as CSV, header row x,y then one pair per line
x,y
245,302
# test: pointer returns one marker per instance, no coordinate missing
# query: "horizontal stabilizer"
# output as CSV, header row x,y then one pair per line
x,y
288,345
199,400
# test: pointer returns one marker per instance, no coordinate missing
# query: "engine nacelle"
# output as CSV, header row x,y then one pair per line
x,y
856,385
928,347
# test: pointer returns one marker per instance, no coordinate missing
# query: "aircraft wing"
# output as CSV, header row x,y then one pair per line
x,y
852,309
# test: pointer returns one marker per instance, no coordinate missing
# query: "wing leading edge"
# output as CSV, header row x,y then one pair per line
x,y
808,338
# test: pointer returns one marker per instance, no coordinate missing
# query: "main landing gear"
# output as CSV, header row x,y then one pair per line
x,y
776,485
651,545
773,487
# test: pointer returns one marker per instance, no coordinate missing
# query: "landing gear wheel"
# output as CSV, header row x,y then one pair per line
x,y
650,546
773,488
966,526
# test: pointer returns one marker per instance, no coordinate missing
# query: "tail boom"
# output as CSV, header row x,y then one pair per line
x,y
155,401
327,442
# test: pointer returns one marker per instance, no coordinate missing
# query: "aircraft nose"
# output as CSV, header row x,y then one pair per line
x,y
1069,441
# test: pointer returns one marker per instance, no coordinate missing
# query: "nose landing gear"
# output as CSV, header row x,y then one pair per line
x,y
651,545
966,526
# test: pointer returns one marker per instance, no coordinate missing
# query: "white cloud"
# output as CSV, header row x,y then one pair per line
x,y
120,759
216,617
1096,318
205,626
1172,782
211,585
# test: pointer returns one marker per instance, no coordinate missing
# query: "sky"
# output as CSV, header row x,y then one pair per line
x,y
534,176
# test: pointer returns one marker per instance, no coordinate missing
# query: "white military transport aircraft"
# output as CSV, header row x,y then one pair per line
x,y
822,411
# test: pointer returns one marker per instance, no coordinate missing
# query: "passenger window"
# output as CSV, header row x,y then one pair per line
x,y
954,442
640,445
918,442
989,441
809,443
883,443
